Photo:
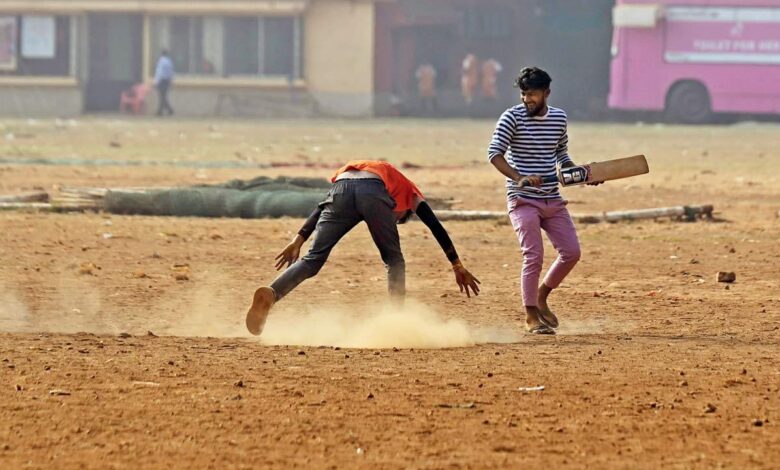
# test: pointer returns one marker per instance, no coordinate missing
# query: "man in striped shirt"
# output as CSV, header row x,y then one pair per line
x,y
529,143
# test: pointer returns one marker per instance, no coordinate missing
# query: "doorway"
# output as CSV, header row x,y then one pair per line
x,y
427,44
115,59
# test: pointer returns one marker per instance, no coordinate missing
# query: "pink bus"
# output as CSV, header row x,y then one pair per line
x,y
692,58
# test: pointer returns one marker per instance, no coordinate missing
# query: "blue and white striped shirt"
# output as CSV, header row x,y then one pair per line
x,y
532,145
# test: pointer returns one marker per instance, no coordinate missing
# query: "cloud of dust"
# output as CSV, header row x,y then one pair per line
x,y
14,316
213,307
412,326
78,310
207,308
582,327
594,326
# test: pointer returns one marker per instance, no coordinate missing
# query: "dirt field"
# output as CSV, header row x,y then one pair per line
x,y
106,360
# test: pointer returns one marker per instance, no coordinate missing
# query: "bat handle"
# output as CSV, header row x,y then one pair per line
x,y
545,179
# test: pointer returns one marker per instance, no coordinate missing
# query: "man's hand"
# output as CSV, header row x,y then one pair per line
x,y
570,164
465,279
530,180
290,253
594,183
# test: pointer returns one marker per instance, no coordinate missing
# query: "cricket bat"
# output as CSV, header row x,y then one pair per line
x,y
600,171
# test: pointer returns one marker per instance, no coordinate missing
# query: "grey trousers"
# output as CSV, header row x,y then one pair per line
x,y
349,202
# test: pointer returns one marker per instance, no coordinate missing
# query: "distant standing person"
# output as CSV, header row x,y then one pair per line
x,y
426,88
490,70
163,79
469,78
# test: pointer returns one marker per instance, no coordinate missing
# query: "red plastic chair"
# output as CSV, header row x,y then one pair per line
x,y
134,98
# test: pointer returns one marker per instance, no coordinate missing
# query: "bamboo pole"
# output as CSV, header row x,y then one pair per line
x,y
35,196
687,213
470,215
45,207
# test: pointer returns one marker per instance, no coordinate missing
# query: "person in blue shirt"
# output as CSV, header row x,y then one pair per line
x,y
163,78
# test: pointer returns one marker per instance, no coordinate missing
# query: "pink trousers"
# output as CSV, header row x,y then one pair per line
x,y
529,217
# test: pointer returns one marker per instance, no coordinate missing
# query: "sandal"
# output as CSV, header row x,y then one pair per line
x,y
541,330
548,318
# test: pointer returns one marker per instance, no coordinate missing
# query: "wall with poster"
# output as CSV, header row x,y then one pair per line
x,y
37,73
36,46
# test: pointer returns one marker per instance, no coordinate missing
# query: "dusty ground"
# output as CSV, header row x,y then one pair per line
x,y
656,364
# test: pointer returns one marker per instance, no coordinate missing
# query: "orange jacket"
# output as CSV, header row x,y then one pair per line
x,y
400,188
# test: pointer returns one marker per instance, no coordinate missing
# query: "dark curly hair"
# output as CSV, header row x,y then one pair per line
x,y
533,78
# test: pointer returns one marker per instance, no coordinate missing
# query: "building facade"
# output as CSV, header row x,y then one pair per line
x,y
232,57
298,57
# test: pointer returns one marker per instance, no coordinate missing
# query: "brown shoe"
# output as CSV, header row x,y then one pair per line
x,y
262,302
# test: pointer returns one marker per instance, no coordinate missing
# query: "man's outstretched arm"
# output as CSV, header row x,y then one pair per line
x,y
311,224
463,277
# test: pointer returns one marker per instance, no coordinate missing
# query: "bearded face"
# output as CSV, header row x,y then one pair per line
x,y
535,101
